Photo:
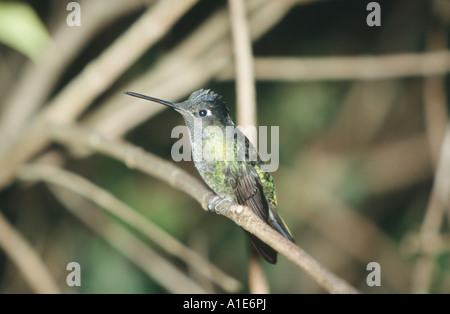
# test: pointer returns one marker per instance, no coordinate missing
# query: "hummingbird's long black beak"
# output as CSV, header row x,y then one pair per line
x,y
160,101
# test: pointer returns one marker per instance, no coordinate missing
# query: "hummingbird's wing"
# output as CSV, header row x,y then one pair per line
x,y
248,190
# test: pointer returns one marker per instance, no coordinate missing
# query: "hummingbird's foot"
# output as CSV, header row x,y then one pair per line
x,y
216,201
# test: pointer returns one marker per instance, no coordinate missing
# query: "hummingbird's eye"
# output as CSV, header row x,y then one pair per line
x,y
202,113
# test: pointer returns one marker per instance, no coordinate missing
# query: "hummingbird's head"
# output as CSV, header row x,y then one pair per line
x,y
203,104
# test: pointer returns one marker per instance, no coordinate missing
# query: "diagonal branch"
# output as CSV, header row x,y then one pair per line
x,y
136,158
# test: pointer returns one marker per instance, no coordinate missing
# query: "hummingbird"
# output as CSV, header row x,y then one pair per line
x,y
233,171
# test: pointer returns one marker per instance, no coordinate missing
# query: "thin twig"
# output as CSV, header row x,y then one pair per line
x,y
26,259
136,158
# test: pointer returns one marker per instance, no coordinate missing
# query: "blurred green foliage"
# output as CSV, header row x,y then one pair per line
x,y
22,29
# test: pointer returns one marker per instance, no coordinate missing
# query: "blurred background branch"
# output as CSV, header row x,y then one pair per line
x,y
246,108
26,259
135,158
349,68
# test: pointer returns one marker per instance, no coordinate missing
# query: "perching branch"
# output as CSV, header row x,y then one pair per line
x,y
136,158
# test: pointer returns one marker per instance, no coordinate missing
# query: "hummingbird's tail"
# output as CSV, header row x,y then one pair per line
x,y
267,252
278,224
248,190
